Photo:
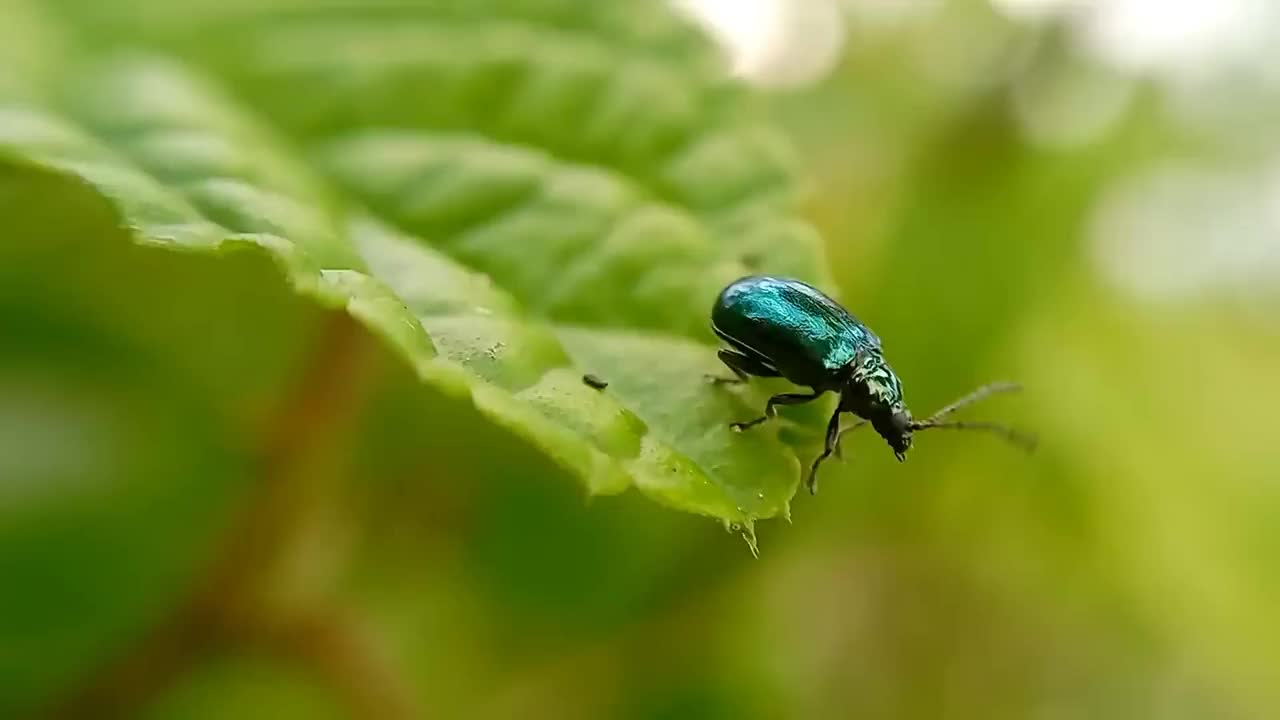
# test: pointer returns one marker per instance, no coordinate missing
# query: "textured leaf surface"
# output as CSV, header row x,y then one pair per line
x,y
477,185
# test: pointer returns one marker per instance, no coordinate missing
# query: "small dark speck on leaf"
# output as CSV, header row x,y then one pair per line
x,y
594,381
750,261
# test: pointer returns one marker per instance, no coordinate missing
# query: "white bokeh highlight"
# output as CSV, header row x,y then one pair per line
x,y
774,43
1184,233
1184,37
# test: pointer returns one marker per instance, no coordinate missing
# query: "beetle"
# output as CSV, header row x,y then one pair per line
x,y
781,327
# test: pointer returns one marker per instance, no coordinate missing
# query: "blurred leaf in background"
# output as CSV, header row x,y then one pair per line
x,y
296,299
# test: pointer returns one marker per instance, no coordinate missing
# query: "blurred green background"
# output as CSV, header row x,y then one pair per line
x,y
1083,196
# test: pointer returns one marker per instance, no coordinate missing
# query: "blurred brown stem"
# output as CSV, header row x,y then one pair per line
x,y
230,605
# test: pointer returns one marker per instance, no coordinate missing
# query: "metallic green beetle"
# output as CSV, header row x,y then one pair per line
x,y
778,327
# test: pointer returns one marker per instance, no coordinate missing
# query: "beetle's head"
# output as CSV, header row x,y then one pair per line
x,y
895,425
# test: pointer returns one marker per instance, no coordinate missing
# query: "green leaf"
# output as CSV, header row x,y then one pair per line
x,y
481,187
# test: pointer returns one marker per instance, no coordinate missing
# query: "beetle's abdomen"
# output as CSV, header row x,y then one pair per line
x,y
791,326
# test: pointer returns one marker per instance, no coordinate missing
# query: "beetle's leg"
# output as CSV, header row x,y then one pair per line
x,y
840,440
770,408
742,366
833,442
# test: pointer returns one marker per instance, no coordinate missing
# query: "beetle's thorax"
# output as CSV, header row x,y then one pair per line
x,y
872,386
874,393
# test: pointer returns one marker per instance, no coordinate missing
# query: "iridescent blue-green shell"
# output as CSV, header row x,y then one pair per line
x,y
792,327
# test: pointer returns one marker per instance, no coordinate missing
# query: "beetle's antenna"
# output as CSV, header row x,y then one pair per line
x,y
1026,441
980,394
1023,440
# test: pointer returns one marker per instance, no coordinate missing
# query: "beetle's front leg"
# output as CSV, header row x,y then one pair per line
x,y
832,445
770,408
840,438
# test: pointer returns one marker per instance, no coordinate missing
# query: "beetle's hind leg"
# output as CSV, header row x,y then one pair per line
x,y
832,445
770,408
742,367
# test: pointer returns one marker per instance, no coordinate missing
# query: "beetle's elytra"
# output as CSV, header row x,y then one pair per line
x,y
779,327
